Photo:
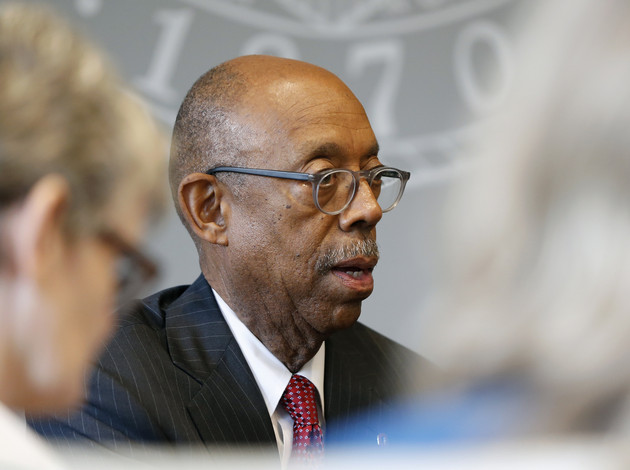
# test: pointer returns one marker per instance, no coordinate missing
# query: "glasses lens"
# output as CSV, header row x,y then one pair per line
x,y
335,190
130,278
133,268
386,187
134,271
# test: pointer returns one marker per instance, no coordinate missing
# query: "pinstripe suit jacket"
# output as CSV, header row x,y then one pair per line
x,y
174,373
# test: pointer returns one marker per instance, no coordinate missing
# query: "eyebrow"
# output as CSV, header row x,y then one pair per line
x,y
332,148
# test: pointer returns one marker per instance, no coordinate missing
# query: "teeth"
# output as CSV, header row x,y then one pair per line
x,y
354,274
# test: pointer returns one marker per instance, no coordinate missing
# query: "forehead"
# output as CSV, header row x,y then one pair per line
x,y
310,116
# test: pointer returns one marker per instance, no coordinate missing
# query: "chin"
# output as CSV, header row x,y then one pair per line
x,y
345,317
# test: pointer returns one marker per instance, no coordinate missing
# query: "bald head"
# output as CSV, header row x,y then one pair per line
x,y
232,106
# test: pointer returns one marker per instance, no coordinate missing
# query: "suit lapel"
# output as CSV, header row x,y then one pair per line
x,y
228,407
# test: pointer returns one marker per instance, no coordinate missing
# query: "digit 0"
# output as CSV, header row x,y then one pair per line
x,y
483,97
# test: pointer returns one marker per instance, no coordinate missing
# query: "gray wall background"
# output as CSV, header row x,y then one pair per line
x,y
427,71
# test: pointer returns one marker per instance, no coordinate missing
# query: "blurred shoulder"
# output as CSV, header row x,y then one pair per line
x,y
371,343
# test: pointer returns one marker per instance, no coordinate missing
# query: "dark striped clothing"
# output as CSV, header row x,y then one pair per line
x,y
173,373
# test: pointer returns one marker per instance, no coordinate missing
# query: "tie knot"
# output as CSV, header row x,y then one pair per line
x,y
300,402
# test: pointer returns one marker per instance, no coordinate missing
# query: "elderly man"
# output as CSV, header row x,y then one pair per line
x,y
275,174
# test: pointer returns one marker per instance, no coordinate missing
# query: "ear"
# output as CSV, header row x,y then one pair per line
x,y
37,231
204,207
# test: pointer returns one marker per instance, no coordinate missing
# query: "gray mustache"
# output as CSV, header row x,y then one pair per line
x,y
367,248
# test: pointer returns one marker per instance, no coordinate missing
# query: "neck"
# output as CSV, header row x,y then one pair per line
x,y
291,345
279,326
294,358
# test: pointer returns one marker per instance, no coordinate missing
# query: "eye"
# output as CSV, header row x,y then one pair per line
x,y
328,180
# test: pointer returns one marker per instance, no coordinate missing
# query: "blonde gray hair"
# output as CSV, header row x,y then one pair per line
x,y
63,110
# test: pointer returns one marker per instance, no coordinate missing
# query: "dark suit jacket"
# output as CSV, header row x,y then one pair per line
x,y
173,373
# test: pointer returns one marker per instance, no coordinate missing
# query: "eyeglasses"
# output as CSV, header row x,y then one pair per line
x,y
334,190
133,269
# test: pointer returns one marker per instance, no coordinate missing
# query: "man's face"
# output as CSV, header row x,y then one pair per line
x,y
293,267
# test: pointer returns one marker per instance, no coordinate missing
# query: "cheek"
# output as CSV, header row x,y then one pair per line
x,y
70,317
103,289
95,299
305,237
280,240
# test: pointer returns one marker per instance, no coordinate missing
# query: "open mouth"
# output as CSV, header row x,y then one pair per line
x,y
356,264
356,273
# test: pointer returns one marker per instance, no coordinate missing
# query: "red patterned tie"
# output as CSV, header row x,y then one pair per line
x,y
300,402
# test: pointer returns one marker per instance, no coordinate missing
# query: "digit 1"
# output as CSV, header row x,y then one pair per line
x,y
175,25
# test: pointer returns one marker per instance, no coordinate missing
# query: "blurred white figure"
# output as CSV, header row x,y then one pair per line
x,y
538,292
81,172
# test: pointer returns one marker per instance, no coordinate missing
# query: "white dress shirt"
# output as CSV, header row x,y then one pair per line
x,y
273,377
21,448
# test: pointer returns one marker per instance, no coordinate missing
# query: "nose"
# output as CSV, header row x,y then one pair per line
x,y
363,210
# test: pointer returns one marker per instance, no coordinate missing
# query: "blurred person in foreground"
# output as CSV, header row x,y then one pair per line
x,y
532,325
81,168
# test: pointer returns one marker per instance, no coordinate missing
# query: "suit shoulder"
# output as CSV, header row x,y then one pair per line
x,y
140,337
150,311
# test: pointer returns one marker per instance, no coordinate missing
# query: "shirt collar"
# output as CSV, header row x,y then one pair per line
x,y
271,375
